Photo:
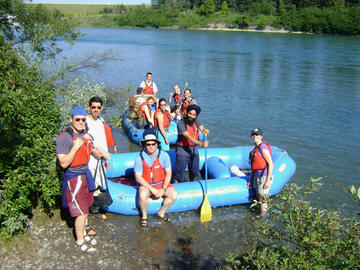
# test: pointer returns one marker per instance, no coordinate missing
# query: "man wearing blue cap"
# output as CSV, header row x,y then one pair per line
x,y
187,145
73,147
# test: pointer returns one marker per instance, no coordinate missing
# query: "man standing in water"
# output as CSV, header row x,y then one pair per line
x,y
153,174
261,177
73,147
103,143
187,145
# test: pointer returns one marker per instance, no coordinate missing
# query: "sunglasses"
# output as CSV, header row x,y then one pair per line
x,y
96,107
150,144
163,104
80,119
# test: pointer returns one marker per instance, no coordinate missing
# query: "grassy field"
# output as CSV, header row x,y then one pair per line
x,y
78,9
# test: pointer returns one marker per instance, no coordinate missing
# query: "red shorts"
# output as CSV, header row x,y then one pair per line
x,y
83,197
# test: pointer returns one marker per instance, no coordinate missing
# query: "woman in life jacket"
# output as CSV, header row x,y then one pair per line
x,y
261,177
162,123
145,118
188,100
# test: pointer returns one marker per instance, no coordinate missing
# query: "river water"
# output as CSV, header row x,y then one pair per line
x,y
302,90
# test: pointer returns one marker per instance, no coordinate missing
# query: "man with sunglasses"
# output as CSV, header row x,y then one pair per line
x,y
103,144
73,147
153,174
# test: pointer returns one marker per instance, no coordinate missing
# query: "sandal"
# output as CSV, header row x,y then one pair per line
x,y
164,218
85,248
89,231
87,239
144,222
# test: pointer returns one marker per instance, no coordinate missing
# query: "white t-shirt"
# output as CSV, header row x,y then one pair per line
x,y
96,130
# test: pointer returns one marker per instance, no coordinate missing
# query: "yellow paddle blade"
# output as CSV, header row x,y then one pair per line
x,y
205,210
118,123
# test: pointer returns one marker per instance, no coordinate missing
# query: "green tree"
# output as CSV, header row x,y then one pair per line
x,y
207,8
224,8
29,118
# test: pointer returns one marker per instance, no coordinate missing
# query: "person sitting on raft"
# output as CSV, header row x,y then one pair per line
x,y
151,104
188,100
187,145
162,123
153,174
140,111
134,103
261,177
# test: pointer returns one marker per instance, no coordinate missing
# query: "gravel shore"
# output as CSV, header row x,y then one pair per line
x,y
50,244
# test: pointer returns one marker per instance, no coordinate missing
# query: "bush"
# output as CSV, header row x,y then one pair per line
x,y
29,121
303,237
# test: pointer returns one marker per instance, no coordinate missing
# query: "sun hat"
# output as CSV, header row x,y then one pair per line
x,y
149,137
78,111
194,107
256,131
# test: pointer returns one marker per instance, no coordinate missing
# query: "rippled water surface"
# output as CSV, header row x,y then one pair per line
x,y
302,90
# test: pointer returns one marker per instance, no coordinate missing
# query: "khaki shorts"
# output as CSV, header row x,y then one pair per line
x,y
259,185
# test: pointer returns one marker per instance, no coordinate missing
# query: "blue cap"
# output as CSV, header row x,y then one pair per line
x,y
78,111
256,131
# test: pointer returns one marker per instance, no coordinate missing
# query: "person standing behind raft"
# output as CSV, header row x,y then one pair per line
x,y
73,148
261,177
187,144
149,86
153,174
161,123
103,143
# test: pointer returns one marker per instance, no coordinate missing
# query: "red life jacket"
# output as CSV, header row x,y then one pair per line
x,y
108,134
193,132
256,159
176,98
154,174
140,112
149,89
166,118
184,106
82,155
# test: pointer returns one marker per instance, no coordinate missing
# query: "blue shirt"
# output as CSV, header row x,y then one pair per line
x,y
163,158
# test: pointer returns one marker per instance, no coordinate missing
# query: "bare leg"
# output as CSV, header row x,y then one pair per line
x,y
144,195
170,198
80,227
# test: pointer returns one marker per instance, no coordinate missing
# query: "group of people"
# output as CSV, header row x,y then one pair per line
x,y
84,147
146,110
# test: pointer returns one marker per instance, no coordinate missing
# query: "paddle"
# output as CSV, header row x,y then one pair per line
x,y
205,210
121,118
182,94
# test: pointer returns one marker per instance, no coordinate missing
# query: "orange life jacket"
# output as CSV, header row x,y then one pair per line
x,y
177,98
193,132
166,118
108,134
149,89
256,159
140,112
82,155
184,106
154,174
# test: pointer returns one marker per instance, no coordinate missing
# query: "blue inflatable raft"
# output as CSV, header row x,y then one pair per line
x,y
224,189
